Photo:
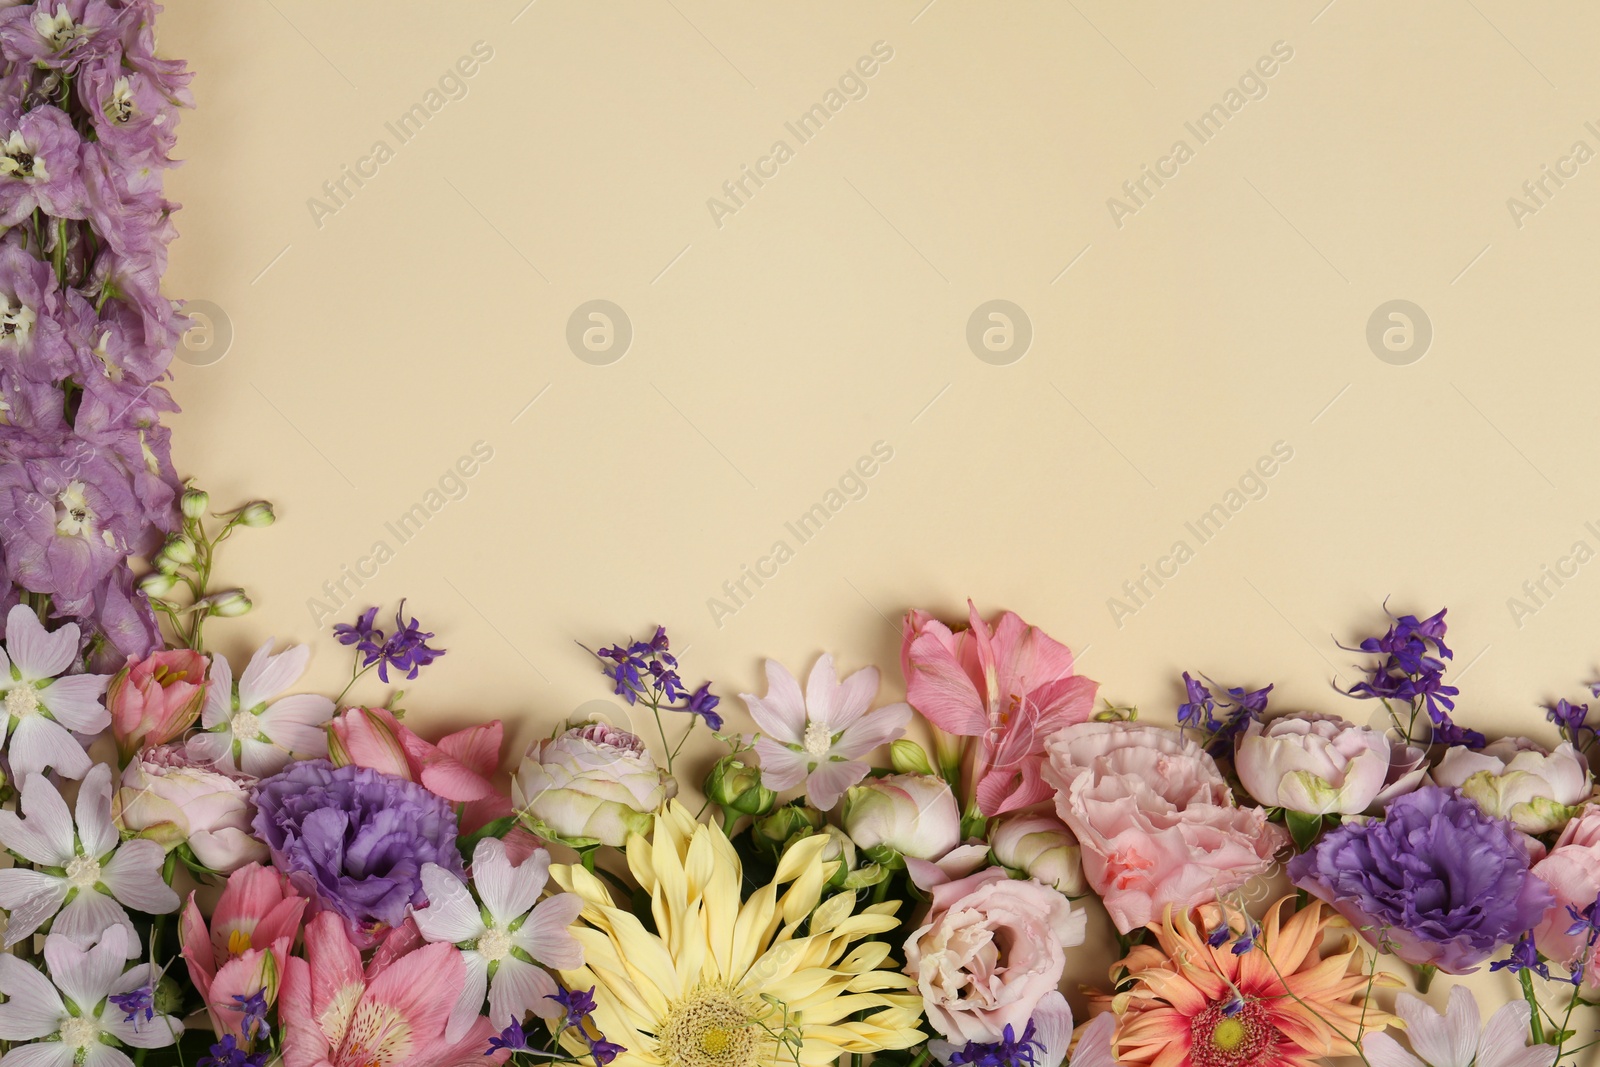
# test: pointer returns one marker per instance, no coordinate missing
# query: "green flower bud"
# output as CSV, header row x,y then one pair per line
x,y
256,514
156,585
773,832
736,786
230,604
168,999
194,503
179,550
908,757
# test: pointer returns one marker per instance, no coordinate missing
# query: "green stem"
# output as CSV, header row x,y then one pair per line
x,y
1535,1024
1425,975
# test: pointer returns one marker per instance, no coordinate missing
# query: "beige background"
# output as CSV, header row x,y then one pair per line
x,y
828,313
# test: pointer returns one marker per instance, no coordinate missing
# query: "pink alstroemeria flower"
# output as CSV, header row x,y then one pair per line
x,y
459,768
820,737
1011,685
394,1013
154,700
246,947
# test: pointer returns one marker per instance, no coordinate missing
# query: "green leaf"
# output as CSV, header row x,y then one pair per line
x,y
499,828
1303,828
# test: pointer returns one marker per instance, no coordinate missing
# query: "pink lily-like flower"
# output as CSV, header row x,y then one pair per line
x,y
246,729
820,737
40,707
246,948
394,1014
76,1009
1012,686
459,768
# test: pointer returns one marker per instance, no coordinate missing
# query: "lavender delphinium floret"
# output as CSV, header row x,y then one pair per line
x,y
1435,881
355,840
646,671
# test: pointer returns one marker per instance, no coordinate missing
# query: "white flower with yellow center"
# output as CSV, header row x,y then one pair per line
x,y
503,939
84,877
43,707
73,1010
249,727
725,982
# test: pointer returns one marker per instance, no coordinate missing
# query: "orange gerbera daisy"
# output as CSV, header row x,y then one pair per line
x,y
1282,994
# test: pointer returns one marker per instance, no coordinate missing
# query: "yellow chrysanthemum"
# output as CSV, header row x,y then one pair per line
x,y
783,977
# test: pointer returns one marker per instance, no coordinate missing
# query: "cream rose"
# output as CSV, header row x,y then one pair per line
x,y
592,783
990,949
1515,779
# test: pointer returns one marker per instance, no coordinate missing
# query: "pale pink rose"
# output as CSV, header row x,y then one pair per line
x,y
1313,764
991,948
173,802
912,816
1039,845
590,783
155,699
1515,778
1572,871
1155,819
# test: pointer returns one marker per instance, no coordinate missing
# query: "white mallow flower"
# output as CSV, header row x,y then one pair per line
x,y
75,1015
87,875
40,706
503,940
1454,1040
246,729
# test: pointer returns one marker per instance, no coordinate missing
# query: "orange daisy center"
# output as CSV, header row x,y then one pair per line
x,y
1242,1038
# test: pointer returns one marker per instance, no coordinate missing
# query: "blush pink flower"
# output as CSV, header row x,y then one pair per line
x,y
991,948
459,768
1572,871
820,737
1011,685
394,1013
155,699
1155,819
246,946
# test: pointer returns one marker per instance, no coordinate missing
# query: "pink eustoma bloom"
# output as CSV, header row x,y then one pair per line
x,y
1011,686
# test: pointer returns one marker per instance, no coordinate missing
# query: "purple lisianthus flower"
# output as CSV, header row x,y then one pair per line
x,y
39,166
355,840
1435,881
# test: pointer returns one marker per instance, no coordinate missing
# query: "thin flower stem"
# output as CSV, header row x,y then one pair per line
x,y
355,673
1535,1025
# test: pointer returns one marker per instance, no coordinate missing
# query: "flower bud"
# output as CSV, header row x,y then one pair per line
x,y
903,815
736,786
908,757
194,503
168,999
256,514
156,585
179,550
367,737
230,604
154,700
1041,847
773,832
